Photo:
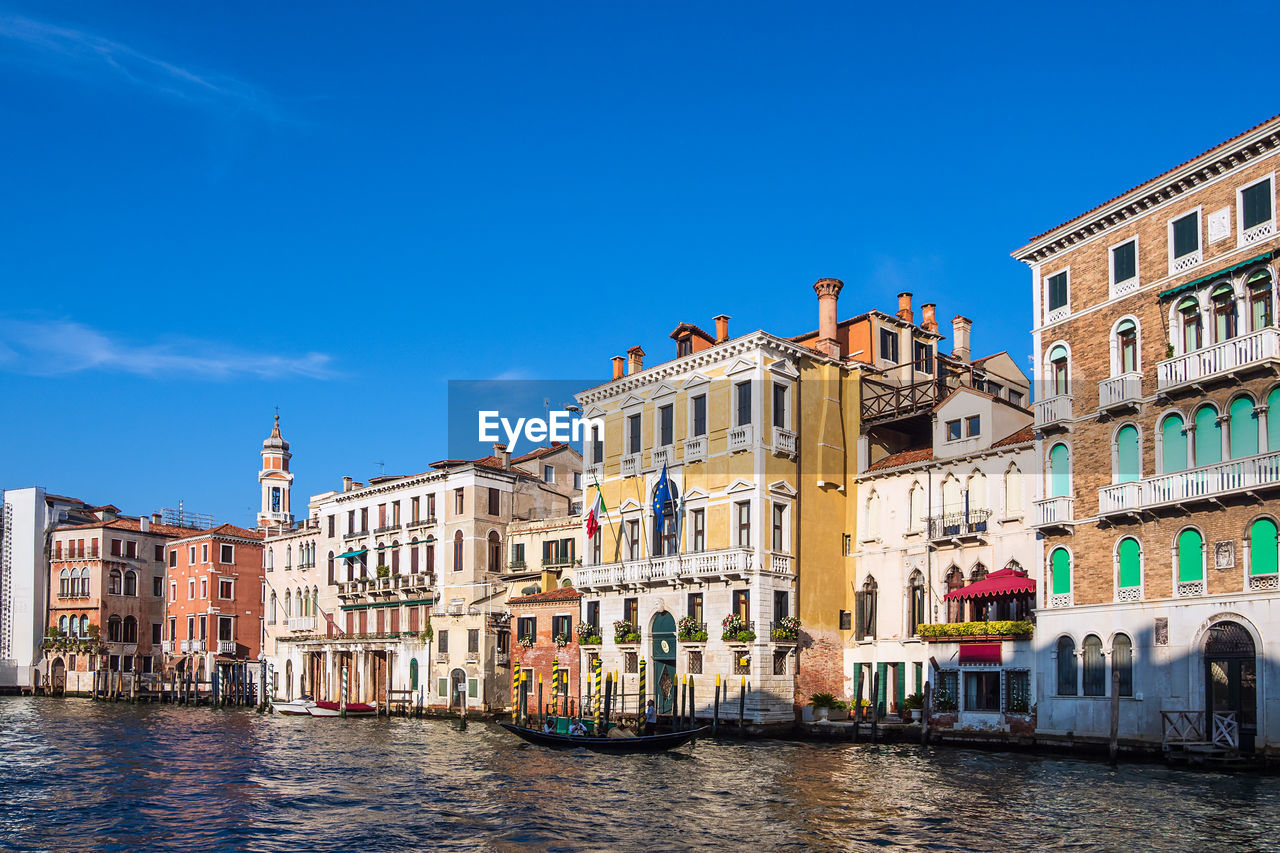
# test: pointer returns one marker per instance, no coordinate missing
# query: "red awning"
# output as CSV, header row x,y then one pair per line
x,y
982,653
1004,582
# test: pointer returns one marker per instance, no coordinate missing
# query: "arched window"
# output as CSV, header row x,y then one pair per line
x,y
1122,663
301,599
395,556
1058,370
978,506
952,496
865,605
1126,347
62,625
457,551
1259,290
1189,321
916,604
1173,443
330,562
288,604
1190,556
1129,563
114,582
64,584
271,559
873,517
130,629
271,612
1242,428
431,554
979,572
1208,436
114,631
315,601
1095,666
495,552
1223,304
1060,570
1013,491
413,673
84,626
413,556
1059,471
915,518
288,556
84,582
1128,458
1066,666
131,583
955,608
1262,548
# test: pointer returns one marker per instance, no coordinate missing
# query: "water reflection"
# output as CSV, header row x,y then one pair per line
x,y
80,775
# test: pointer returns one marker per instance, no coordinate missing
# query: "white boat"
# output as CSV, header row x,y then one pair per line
x,y
296,708
334,709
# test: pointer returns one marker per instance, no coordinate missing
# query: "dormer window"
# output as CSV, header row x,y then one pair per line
x,y
953,430
684,346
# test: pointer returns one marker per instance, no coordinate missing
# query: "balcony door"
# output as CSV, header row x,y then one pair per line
x,y
664,662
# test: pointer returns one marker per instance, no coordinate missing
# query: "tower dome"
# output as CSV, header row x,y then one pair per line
x,y
275,480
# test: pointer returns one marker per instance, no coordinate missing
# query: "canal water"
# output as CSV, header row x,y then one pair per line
x,y
79,775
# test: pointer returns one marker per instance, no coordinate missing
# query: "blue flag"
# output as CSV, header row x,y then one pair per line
x,y
661,497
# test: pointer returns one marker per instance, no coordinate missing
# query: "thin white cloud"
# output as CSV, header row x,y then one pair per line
x,y
85,55
62,347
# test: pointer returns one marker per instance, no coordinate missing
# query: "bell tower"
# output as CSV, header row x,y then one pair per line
x,y
276,480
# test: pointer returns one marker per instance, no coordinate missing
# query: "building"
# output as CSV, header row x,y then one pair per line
x,y
547,645
27,519
215,591
106,598
1156,364
945,550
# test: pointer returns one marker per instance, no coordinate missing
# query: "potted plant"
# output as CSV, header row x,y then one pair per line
x,y
588,634
689,630
786,629
562,639
384,571
911,706
824,704
525,640
734,629
625,632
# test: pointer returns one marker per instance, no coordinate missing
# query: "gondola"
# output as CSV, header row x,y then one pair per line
x,y
612,745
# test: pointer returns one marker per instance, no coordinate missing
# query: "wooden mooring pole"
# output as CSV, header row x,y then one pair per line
x,y
715,709
875,707
1114,745
926,710
742,704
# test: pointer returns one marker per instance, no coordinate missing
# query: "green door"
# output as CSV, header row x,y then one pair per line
x,y
882,672
665,685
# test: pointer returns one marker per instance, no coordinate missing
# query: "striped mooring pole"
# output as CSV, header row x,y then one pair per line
x,y
596,694
515,691
642,686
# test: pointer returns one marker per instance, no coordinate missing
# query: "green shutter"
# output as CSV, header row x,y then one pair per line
x,y
1262,548
1208,436
473,688
1186,235
1127,458
1059,471
1175,444
1244,428
413,673
1273,421
1130,563
1190,556
882,670
919,680
899,684
442,687
1256,201
1060,563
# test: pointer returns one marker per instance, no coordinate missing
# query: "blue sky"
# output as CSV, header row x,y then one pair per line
x,y
213,210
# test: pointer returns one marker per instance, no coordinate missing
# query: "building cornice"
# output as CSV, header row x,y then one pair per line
x,y
913,467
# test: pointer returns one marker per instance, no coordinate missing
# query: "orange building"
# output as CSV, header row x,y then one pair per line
x,y
213,600
545,625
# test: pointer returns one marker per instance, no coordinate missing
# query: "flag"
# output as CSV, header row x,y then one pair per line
x,y
661,498
329,620
598,510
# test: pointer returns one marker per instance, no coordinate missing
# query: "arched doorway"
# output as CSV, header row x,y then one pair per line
x,y
288,681
665,684
457,679
57,677
1231,678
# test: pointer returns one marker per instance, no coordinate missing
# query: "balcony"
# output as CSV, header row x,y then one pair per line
x,y
695,448
631,465
739,437
715,565
302,623
192,646
1053,412
226,647
882,401
1208,482
959,525
780,564
388,528
1222,361
784,442
1055,512
355,534
662,456
1120,392
422,522
166,647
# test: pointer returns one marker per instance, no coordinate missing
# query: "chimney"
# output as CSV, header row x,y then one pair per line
x,y
904,306
500,451
155,518
635,360
618,361
144,524
928,317
722,328
346,484
828,290
960,327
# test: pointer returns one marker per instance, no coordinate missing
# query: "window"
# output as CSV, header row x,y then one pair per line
x,y
204,552
684,346
1122,663
781,605
332,532
1057,291
495,500
633,433
743,509
631,611
1059,471
495,551
633,539
1255,207
699,404
1128,461
173,558
517,555
527,628
457,551
1129,563
1058,371
442,640
226,554
116,549
191,589
577,481
742,392
699,530
1127,347
1066,666
916,615
1094,665
549,473
1173,441
871,533
158,553
1190,556
846,545
889,345
695,663
431,505
695,607
666,425
865,610
114,582
593,615
473,641
1189,317
1222,304
1208,436
458,501
115,629
1259,291
226,589
779,521
1017,691
982,691
1060,569
780,419
742,604
204,588
972,426
1184,234
1263,548
953,430
157,587
922,354
1015,397
1242,428
1124,265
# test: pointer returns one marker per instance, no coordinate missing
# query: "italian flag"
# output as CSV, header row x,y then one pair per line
x,y
598,511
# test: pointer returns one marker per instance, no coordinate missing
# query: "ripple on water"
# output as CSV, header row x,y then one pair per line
x,y
80,775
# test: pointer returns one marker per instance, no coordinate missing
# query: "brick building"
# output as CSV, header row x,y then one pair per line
x,y
1158,433
544,626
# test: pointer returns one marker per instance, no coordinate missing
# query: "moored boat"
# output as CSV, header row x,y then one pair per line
x,y
612,745
334,709
295,708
